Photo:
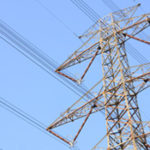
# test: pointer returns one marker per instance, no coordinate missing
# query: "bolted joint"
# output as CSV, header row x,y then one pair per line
x,y
146,80
124,34
80,36
93,106
148,20
57,70
98,47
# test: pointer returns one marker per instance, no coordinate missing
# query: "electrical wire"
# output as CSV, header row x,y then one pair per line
x,y
82,9
56,17
26,117
90,9
43,68
136,54
86,9
38,57
37,54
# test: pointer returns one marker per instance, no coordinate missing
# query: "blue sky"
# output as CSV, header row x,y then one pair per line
x,y
27,86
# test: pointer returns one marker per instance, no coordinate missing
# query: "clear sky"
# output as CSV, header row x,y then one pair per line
x,y
30,88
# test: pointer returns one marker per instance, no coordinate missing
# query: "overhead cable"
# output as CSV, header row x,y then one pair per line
x,y
26,117
37,56
56,17
80,4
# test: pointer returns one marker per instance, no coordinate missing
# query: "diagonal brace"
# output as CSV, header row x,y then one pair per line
x,y
83,124
90,64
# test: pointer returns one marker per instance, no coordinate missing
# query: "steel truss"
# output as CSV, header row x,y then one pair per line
x,y
120,84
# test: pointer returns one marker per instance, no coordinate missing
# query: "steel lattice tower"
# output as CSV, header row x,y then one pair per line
x,y
121,83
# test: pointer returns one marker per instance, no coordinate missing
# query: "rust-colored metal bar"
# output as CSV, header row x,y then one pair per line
x,y
126,28
147,145
90,101
138,39
58,136
137,23
83,124
89,64
66,76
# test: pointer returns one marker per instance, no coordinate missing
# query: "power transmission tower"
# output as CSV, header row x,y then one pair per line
x,y
120,85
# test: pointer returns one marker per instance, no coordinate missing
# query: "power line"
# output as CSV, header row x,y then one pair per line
x,y
90,9
43,68
136,54
56,17
26,117
86,9
37,56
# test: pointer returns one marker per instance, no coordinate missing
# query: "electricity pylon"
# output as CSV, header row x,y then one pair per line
x,y
120,85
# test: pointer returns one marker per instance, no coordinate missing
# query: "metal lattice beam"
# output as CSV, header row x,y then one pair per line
x,y
120,85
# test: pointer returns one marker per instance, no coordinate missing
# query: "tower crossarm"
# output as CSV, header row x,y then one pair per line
x,y
140,78
131,26
80,56
125,25
97,104
122,14
82,111
125,29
